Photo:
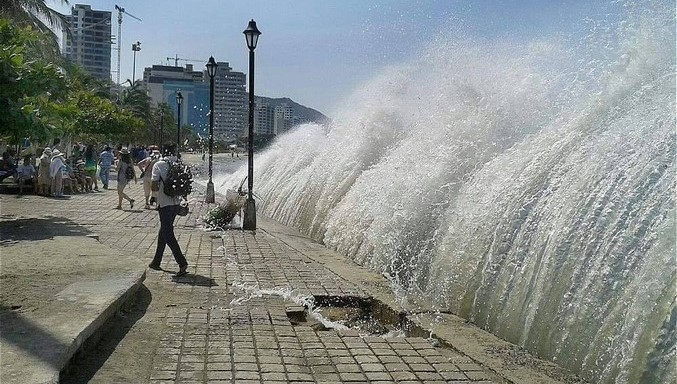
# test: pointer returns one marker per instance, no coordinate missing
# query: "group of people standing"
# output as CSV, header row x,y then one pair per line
x,y
79,171
54,171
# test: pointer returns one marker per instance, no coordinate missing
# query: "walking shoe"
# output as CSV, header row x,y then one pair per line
x,y
155,266
131,204
182,271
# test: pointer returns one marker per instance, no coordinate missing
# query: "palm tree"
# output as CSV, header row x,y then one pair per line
x,y
136,100
36,14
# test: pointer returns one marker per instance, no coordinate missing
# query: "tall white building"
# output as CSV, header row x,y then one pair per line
x,y
264,119
89,43
230,102
283,118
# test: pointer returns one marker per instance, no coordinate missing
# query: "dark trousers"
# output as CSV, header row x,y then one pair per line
x,y
166,236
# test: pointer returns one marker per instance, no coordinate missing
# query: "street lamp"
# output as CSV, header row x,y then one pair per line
x,y
135,47
211,71
162,125
251,35
179,101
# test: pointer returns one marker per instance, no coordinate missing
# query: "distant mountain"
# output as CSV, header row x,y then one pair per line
x,y
304,113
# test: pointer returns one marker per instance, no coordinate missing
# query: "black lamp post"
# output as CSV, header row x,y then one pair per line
x,y
251,34
179,101
211,71
162,126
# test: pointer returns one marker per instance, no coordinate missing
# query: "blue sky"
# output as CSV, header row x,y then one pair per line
x,y
317,52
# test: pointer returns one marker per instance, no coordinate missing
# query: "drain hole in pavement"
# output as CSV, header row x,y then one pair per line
x,y
340,313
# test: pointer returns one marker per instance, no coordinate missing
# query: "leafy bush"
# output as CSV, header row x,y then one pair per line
x,y
221,215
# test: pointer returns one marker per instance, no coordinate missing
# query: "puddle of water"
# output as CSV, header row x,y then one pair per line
x,y
323,313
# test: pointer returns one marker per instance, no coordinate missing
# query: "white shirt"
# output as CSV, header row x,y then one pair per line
x,y
56,165
148,162
160,170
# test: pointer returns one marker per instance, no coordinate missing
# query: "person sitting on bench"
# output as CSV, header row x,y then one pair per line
x,y
7,166
25,174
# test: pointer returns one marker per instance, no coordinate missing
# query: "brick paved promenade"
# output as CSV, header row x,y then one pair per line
x,y
236,318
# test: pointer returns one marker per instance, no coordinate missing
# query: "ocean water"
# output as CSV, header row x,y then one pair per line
x,y
526,186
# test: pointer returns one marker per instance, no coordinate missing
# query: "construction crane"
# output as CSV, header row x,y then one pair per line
x,y
176,59
119,37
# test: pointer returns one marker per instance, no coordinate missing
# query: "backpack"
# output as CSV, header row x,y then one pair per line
x,y
178,181
129,172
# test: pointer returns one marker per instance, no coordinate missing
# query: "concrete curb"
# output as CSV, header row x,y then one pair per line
x,y
121,297
99,299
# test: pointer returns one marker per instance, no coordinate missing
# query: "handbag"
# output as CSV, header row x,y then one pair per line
x,y
183,210
145,169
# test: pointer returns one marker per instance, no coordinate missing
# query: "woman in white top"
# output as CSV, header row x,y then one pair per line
x,y
44,180
56,173
146,167
124,164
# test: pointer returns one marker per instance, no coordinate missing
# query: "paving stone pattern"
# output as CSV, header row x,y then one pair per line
x,y
226,321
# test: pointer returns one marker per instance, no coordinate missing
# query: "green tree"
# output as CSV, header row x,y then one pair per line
x,y
41,100
29,86
101,119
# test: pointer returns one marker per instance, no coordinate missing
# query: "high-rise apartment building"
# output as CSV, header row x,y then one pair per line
x,y
230,102
264,119
89,43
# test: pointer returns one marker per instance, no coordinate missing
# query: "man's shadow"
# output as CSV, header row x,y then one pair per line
x,y
195,280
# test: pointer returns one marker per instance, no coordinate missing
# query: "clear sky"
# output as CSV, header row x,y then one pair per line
x,y
317,51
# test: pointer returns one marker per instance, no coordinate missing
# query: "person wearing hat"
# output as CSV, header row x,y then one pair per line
x,y
44,180
124,164
56,172
81,176
146,167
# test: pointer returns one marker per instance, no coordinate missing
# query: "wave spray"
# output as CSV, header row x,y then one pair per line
x,y
528,187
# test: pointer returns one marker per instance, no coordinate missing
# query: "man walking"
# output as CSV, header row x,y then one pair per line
x,y
105,161
168,207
